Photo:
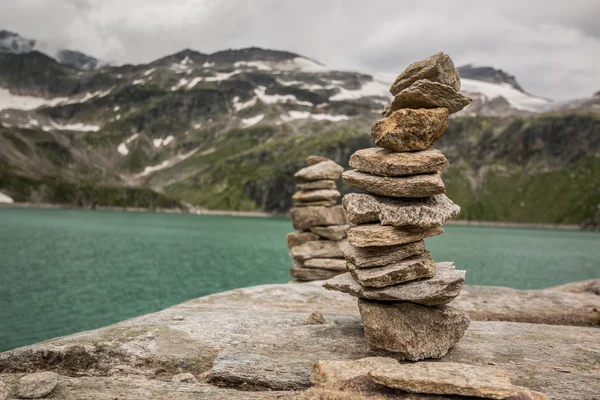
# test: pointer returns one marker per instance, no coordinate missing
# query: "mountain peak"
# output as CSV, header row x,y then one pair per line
x,y
11,42
488,74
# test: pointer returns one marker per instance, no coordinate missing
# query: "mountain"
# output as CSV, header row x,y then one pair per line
x,y
227,130
497,93
13,43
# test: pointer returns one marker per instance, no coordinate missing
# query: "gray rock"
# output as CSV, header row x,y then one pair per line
x,y
441,289
371,235
312,274
320,171
327,371
436,68
38,385
184,378
315,318
401,186
3,391
307,217
335,232
334,264
298,238
413,331
447,378
366,257
316,195
378,161
427,94
317,249
312,160
426,212
417,267
318,203
324,184
409,130
257,340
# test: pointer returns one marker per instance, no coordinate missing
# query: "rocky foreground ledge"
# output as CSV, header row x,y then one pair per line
x,y
262,342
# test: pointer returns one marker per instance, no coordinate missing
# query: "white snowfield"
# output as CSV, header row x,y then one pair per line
x,y
5,199
17,102
295,115
372,88
162,141
516,98
122,148
252,120
167,163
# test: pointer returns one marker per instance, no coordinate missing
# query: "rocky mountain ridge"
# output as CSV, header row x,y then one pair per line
x,y
227,130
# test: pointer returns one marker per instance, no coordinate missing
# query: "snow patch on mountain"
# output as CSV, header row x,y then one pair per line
x,y
162,141
167,163
517,99
14,101
295,115
373,88
260,92
237,106
122,148
252,120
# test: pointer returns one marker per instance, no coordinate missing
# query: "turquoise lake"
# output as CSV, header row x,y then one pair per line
x,y
64,271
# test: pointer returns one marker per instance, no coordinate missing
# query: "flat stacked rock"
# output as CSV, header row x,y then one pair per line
x,y
316,213
403,294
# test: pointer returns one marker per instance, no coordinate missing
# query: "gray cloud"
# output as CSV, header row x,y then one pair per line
x,y
552,48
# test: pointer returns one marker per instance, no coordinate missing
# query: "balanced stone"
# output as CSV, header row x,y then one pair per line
x,y
312,274
334,232
378,235
312,185
424,212
408,130
319,203
297,238
320,171
316,195
317,249
442,288
427,94
368,257
312,160
413,331
307,217
417,267
447,378
404,186
436,68
378,161
335,264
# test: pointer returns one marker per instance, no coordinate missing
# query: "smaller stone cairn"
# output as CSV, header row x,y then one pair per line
x,y
402,292
316,213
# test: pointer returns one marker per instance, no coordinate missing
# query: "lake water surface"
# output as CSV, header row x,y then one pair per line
x,y
64,271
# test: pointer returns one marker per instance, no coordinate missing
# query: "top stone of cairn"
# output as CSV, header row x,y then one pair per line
x,y
437,68
322,170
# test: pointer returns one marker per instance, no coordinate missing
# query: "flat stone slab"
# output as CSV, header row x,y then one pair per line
x,y
409,130
442,288
137,358
335,232
320,171
447,378
324,184
431,211
367,257
298,238
436,68
400,186
373,235
316,195
37,385
334,264
306,217
427,94
410,269
312,160
317,249
378,161
413,331
313,274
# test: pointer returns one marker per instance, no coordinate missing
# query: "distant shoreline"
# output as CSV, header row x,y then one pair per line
x,y
262,214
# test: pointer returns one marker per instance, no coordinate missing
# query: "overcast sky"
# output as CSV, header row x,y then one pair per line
x,y
552,46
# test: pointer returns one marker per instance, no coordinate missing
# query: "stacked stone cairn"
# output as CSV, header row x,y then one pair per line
x,y
402,294
316,213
